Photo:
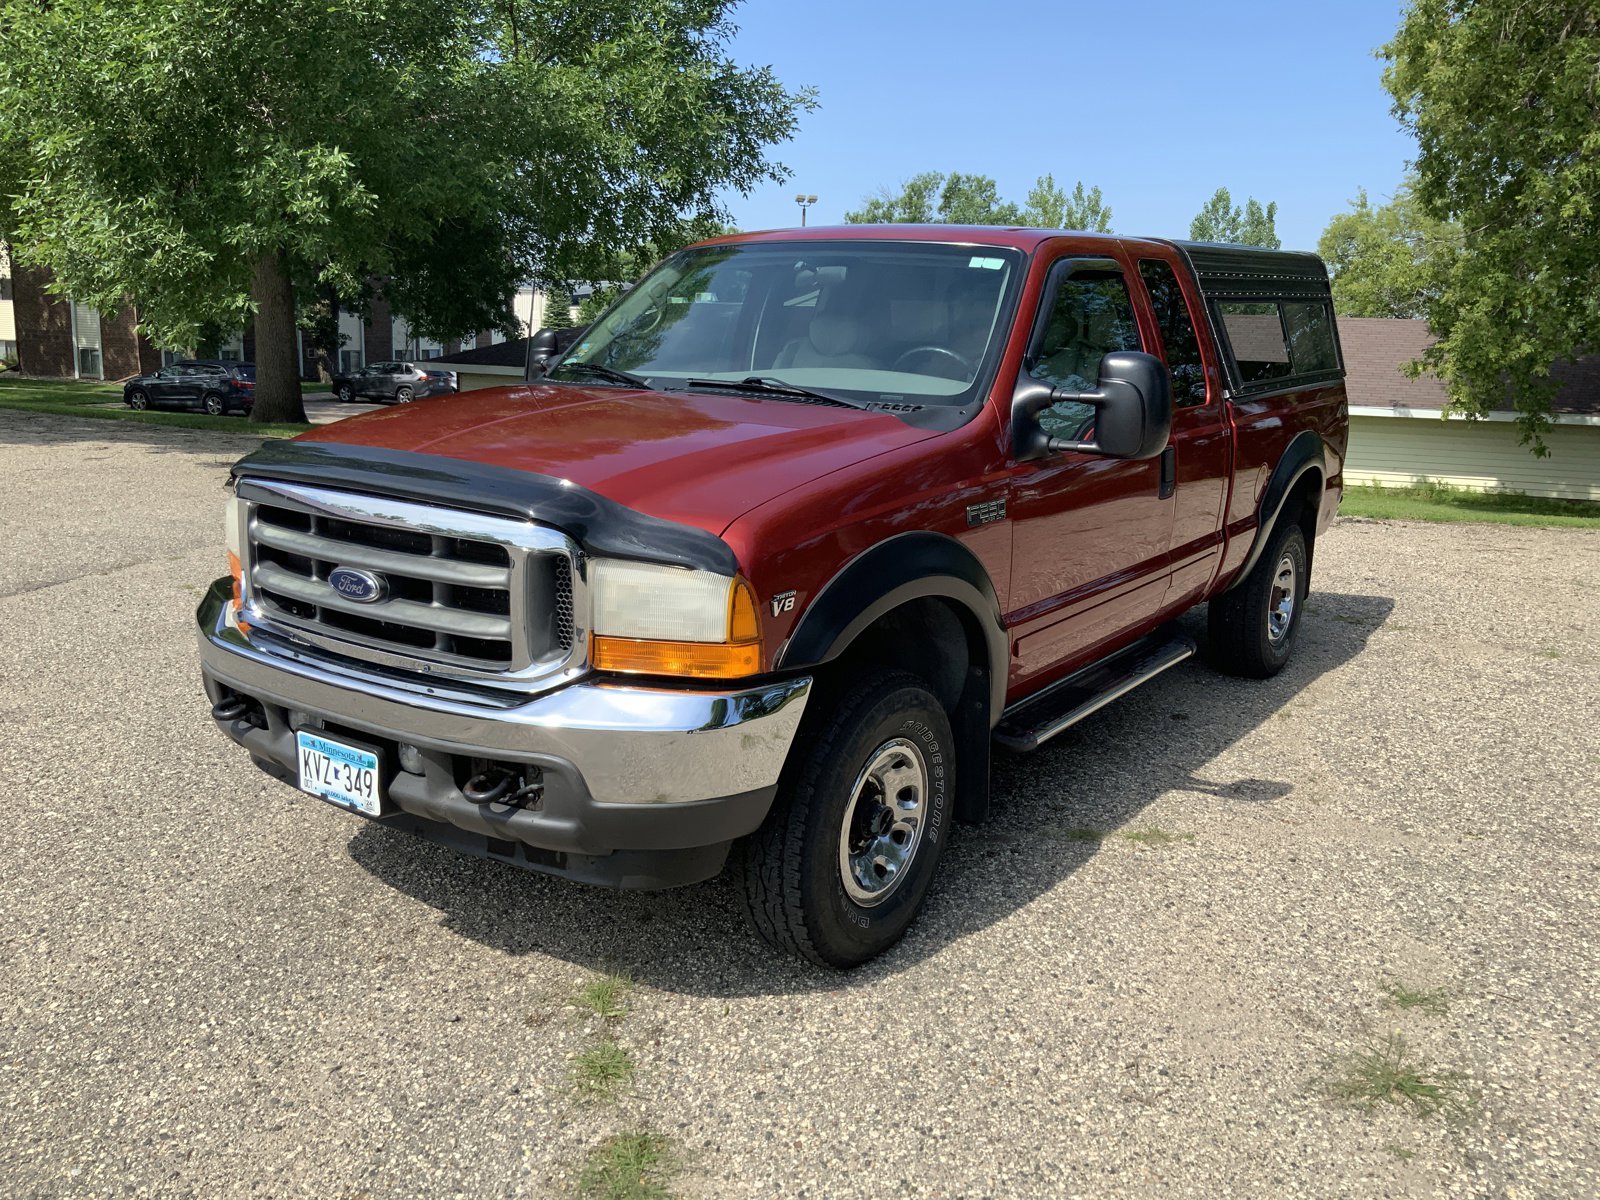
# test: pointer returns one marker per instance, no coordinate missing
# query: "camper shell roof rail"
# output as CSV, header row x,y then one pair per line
x,y
1226,272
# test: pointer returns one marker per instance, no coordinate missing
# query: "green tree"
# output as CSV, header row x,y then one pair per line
x,y
1221,220
1504,100
210,160
1383,259
935,198
1049,207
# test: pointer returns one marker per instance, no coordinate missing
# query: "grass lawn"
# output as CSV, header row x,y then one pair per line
x,y
77,398
1439,502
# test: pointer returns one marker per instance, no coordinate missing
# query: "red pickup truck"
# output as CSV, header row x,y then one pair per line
x,y
758,571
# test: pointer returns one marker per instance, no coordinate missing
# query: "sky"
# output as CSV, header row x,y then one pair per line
x,y
1158,103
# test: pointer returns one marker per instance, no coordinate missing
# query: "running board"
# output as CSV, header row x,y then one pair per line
x,y
1028,725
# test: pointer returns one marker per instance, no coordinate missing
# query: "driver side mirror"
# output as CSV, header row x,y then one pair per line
x,y
1133,410
541,349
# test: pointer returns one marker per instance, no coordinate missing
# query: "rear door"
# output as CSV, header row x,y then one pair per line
x,y
1091,535
1196,465
187,384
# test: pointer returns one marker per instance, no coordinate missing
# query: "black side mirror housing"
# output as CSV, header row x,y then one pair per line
x,y
542,348
1133,410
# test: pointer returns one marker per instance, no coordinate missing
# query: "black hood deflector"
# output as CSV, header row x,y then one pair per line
x,y
600,525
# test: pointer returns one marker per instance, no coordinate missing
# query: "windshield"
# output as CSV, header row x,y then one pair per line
x,y
876,322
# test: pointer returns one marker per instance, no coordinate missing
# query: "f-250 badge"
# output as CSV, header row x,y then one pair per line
x,y
783,602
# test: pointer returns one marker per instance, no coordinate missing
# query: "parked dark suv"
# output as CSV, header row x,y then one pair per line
x,y
216,387
396,382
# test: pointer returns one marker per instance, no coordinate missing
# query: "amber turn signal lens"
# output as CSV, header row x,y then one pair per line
x,y
742,623
695,660
237,572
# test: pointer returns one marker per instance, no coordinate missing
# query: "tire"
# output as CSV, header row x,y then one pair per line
x,y
213,404
813,877
1253,625
345,393
138,399
402,395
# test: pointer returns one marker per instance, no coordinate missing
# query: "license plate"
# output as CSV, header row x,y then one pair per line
x,y
341,774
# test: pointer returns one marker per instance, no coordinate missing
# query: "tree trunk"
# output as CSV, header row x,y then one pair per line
x,y
277,371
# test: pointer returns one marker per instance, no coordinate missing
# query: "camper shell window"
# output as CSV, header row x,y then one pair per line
x,y
1273,313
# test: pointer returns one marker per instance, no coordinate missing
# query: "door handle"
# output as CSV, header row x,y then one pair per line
x,y
1169,471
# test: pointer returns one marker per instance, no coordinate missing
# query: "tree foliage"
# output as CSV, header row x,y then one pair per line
x,y
1051,208
1221,220
933,198
170,151
1384,258
1504,100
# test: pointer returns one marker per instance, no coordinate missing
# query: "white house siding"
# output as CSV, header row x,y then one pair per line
x,y
1481,455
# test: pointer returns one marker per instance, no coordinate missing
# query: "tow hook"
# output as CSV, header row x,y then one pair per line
x,y
236,708
497,785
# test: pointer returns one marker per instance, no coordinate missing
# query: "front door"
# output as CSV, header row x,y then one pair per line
x,y
1091,534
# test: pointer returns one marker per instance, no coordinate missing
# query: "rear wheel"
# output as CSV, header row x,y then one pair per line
x,y
844,860
1253,625
139,399
213,404
402,395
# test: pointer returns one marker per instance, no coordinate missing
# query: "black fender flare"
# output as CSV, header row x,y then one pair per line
x,y
906,567
1305,454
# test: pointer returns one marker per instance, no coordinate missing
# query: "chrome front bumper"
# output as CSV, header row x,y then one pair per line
x,y
627,768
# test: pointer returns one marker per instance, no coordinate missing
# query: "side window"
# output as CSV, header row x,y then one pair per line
x,y
1310,337
1256,337
1177,333
1090,316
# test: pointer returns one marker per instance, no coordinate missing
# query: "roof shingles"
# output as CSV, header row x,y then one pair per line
x,y
1376,348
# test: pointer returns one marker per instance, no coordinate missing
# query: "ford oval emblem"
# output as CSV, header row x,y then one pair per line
x,y
361,586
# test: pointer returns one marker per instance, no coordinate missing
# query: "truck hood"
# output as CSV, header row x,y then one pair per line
x,y
703,458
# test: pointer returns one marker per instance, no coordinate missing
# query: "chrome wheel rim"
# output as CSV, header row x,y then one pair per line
x,y
213,406
1280,606
883,822
137,400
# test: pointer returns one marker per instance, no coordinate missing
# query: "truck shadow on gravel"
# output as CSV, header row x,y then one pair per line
x,y
1052,810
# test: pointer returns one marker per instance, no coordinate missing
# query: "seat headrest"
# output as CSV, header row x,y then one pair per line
x,y
834,335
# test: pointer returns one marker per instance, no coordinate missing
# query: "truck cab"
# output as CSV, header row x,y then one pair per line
x,y
758,573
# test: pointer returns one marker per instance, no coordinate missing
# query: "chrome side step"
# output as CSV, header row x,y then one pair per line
x,y
1028,725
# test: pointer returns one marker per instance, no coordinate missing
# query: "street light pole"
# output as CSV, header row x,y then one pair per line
x,y
805,202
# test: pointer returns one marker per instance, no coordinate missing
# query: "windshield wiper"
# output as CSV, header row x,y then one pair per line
x,y
610,373
760,385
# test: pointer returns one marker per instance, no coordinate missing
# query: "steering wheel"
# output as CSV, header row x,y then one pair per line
x,y
961,362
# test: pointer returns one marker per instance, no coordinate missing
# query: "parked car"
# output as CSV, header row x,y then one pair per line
x,y
213,385
760,571
393,382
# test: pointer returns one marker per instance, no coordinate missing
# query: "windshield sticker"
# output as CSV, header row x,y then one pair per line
x,y
987,264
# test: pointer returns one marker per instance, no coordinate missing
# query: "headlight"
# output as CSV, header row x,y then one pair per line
x,y
656,620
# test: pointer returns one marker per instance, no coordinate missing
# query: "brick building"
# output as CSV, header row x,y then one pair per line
x,y
55,337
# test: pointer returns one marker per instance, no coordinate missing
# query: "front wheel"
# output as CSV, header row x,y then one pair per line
x,y
138,400
345,392
845,858
1253,624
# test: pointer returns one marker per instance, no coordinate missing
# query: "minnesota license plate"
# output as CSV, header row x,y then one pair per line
x,y
341,774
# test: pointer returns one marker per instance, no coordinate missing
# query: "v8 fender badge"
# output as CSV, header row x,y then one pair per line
x,y
783,602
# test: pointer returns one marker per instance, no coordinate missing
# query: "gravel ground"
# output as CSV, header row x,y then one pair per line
x,y
213,986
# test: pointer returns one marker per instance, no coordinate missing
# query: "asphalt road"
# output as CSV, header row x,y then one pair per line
x,y
212,986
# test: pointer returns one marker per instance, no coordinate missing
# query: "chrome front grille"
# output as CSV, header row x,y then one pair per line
x,y
442,591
